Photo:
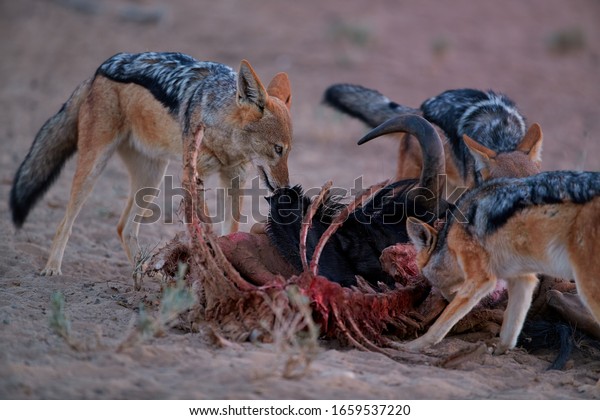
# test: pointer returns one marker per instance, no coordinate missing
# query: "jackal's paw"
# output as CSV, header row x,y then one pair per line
x,y
51,271
501,349
417,345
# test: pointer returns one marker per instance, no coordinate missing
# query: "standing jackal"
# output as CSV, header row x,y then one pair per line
x,y
485,133
140,105
514,228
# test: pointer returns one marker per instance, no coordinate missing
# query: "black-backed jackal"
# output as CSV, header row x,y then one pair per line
x,y
140,105
485,133
512,229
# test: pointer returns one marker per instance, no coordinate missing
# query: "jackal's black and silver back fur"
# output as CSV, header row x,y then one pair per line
x,y
489,206
488,117
170,76
174,79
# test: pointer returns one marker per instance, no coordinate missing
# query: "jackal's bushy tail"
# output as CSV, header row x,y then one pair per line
x,y
53,145
368,105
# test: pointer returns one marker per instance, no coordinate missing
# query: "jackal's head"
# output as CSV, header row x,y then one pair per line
x,y
266,124
436,262
526,160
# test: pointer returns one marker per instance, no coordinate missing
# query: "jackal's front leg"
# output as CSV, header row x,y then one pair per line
x,y
206,165
470,293
233,181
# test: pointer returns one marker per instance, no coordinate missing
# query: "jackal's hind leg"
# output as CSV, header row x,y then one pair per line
x,y
520,292
90,163
145,176
588,289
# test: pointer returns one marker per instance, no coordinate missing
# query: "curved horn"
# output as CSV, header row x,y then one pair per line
x,y
431,146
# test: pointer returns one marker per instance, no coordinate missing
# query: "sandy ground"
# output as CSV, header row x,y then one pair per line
x,y
545,54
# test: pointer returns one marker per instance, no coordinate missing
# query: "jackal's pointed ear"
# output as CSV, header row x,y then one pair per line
x,y
421,234
250,90
281,89
532,143
482,155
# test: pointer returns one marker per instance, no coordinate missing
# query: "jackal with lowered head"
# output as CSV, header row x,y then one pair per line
x,y
512,229
140,106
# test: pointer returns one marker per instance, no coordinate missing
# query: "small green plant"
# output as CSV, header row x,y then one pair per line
x,y
145,326
354,34
174,301
59,322
440,46
295,334
141,258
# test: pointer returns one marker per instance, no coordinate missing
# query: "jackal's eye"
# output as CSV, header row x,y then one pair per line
x,y
278,149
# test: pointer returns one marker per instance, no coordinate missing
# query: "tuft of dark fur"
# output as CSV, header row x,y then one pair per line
x,y
368,105
53,145
543,334
287,209
358,243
